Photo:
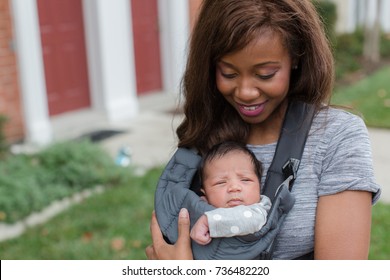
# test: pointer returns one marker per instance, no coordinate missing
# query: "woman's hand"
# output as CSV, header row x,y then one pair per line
x,y
161,250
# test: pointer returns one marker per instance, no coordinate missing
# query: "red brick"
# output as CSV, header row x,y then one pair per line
x,y
10,99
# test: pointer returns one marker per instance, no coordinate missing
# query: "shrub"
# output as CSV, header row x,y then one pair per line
x,y
3,141
30,182
385,45
328,13
348,51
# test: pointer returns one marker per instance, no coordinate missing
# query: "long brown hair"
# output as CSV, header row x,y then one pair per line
x,y
226,26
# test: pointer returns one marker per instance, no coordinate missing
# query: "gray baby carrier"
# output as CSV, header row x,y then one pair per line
x,y
174,191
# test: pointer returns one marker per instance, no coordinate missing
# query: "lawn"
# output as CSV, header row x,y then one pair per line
x,y
111,225
380,238
369,97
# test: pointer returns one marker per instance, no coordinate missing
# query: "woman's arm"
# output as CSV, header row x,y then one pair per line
x,y
343,226
161,250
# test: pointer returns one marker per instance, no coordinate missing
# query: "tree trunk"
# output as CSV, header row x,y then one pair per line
x,y
371,49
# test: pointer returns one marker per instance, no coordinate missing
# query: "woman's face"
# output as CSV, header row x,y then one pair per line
x,y
255,80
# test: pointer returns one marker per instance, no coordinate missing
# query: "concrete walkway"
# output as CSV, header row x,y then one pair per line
x,y
380,141
151,136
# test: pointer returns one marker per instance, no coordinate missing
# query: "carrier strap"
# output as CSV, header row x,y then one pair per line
x,y
290,146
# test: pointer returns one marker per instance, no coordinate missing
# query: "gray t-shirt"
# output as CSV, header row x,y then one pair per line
x,y
337,157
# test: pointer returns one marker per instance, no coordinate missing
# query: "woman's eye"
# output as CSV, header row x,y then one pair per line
x,y
265,77
229,76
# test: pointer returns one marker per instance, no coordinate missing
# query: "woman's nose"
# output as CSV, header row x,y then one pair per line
x,y
246,90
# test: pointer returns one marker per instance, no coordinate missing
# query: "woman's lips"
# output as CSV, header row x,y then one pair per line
x,y
251,110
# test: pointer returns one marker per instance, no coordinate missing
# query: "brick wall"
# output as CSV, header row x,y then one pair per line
x,y
10,99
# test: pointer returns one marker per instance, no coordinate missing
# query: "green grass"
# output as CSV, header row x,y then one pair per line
x,y
380,238
111,225
369,97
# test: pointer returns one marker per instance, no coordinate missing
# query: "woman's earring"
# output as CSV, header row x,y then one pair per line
x,y
295,67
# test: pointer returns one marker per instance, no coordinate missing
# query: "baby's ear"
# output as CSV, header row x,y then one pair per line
x,y
203,195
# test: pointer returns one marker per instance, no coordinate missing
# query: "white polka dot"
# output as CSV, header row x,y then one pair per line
x,y
217,217
234,229
247,214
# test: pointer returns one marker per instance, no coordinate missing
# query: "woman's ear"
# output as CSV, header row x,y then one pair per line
x,y
294,63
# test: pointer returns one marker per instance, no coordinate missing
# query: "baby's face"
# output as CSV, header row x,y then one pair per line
x,y
231,180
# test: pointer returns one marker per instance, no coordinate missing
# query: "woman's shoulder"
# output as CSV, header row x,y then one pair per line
x,y
337,115
334,121
336,130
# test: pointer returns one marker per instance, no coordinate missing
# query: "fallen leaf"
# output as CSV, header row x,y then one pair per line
x,y
44,232
137,244
3,216
87,236
382,93
117,243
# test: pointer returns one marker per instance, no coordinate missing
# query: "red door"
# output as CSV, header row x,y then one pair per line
x,y
146,45
62,35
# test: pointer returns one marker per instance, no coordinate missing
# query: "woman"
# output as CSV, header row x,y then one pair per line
x,y
247,60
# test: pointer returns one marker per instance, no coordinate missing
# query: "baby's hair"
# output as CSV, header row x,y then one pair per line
x,y
221,149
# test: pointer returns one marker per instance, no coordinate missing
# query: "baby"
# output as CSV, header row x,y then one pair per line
x,y
230,175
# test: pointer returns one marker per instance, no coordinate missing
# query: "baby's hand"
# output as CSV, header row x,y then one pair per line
x,y
200,231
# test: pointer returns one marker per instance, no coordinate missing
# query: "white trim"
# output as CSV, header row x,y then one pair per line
x,y
352,14
31,72
385,15
91,31
111,58
174,33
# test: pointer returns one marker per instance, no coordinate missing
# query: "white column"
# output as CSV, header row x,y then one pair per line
x,y
174,35
31,72
343,9
350,21
385,15
371,12
111,58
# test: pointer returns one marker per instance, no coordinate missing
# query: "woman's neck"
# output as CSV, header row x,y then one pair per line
x,y
268,131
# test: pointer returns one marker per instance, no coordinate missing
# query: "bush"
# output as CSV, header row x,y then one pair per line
x,y
3,141
31,182
385,45
328,13
77,165
348,51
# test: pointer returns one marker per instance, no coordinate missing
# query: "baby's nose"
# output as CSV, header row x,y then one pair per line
x,y
235,187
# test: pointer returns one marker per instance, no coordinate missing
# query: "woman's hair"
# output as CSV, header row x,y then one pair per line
x,y
227,26
224,148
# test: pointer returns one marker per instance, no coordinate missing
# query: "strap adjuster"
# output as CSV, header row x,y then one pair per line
x,y
290,168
